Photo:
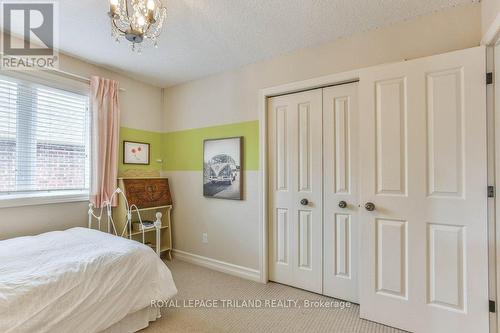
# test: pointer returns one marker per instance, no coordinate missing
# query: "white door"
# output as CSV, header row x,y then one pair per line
x,y
424,258
340,225
295,190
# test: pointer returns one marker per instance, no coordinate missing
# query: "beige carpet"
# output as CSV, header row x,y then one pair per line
x,y
196,282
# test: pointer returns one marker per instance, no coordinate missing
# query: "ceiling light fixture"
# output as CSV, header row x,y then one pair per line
x,y
137,21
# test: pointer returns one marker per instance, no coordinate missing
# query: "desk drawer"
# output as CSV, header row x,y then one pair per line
x,y
146,193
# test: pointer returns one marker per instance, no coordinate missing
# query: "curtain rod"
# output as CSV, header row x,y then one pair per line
x,y
73,76
69,75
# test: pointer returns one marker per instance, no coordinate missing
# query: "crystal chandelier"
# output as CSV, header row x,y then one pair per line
x,y
137,21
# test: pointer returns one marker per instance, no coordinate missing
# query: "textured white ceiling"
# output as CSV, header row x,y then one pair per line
x,y
203,37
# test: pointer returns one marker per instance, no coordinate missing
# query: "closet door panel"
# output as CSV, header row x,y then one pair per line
x,y
340,265
295,191
424,241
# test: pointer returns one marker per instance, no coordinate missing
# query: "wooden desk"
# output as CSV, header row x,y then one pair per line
x,y
150,195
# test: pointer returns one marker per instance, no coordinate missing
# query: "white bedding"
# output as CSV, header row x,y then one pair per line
x,y
78,280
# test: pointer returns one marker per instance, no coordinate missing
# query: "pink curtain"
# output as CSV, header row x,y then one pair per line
x,y
105,137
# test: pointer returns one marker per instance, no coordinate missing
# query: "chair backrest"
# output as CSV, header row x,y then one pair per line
x,y
107,209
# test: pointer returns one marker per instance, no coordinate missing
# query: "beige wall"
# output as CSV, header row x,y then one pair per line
x,y
489,11
232,97
141,107
141,103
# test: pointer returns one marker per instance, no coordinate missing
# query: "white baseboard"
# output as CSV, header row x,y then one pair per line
x,y
217,265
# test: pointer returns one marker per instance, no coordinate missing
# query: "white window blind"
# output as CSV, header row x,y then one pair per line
x,y
44,139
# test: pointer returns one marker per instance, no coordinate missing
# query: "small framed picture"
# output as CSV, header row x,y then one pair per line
x,y
222,168
135,153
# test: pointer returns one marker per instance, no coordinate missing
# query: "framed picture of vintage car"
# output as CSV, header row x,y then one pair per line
x,y
222,168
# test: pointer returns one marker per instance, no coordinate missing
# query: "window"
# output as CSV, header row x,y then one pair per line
x,y
44,140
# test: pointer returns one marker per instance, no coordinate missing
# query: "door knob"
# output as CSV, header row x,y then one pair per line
x,y
304,202
342,204
370,206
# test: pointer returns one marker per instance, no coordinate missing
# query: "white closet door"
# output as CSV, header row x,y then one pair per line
x,y
424,258
295,186
341,229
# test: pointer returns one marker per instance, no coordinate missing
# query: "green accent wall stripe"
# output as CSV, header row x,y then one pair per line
x,y
183,150
155,139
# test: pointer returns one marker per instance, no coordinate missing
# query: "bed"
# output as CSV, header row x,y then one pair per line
x,y
80,280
